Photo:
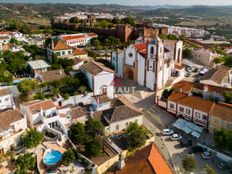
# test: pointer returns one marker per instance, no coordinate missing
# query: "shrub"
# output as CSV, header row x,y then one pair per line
x,y
189,164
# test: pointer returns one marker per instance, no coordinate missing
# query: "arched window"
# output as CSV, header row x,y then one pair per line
x,y
152,50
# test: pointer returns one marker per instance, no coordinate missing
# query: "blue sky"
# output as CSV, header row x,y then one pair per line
x,y
131,2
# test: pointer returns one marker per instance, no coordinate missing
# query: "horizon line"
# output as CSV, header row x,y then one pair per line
x,y
116,4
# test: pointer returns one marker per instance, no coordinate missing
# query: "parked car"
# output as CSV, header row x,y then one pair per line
x,y
176,137
207,155
223,165
186,142
167,131
196,149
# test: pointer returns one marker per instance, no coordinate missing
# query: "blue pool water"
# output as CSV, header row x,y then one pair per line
x,y
52,158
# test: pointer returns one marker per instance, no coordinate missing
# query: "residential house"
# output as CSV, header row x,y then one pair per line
x,y
60,49
220,117
101,102
6,99
148,160
76,40
206,91
99,78
43,114
80,114
12,124
38,40
80,53
205,56
50,76
38,66
118,119
151,64
220,76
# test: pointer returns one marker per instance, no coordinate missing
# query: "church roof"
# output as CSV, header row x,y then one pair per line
x,y
141,48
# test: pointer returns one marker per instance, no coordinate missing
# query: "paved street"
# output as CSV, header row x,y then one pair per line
x,y
156,119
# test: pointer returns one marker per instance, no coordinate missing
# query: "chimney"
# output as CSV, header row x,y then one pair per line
x,y
181,90
60,72
205,88
52,44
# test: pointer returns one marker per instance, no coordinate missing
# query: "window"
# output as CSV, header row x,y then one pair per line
x,y
117,127
171,106
69,52
187,111
130,55
7,99
152,50
229,125
197,115
58,53
216,121
204,117
181,109
63,52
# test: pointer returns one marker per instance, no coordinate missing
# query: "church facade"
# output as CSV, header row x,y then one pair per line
x,y
150,64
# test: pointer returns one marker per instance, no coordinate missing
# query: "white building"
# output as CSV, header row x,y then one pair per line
x,y
150,64
75,40
38,66
205,56
12,125
43,114
101,102
220,76
6,99
99,78
190,108
118,119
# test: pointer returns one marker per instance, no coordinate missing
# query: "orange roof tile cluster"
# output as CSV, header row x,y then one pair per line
x,y
72,37
141,48
146,161
222,111
196,103
78,51
176,96
187,87
60,45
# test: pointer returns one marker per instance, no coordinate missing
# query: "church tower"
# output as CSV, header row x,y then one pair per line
x,y
155,52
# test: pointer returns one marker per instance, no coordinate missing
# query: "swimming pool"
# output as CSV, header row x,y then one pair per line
x,y
52,157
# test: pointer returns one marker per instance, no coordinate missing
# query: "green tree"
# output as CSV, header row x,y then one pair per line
x,y
189,164
94,128
136,136
74,20
32,138
27,87
24,163
103,24
228,61
6,77
219,60
68,157
209,169
14,41
82,89
129,20
228,97
187,53
77,133
166,93
92,148
223,139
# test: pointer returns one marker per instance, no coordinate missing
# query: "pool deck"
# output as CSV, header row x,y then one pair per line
x,y
40,152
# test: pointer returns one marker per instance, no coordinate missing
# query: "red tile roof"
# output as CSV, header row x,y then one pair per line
x,y
72,37
146,161
36,106
176,96
222,111
60,45
141,48
78,51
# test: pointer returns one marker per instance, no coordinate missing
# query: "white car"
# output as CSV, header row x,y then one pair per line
x,y
176,137
206,155
167,132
